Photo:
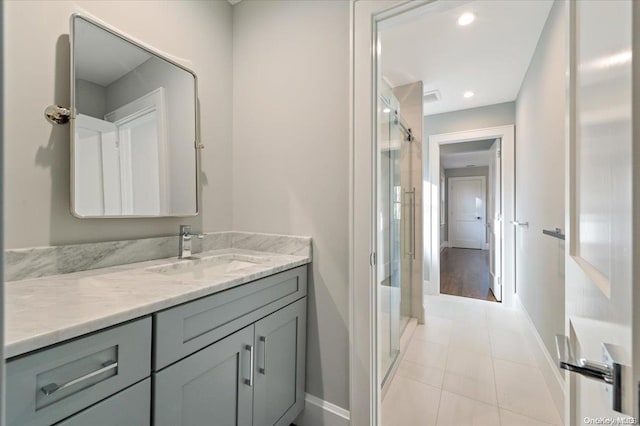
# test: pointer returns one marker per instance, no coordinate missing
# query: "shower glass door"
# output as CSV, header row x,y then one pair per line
x,y
390,239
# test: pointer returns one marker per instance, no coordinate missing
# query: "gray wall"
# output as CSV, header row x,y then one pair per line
x,y
291,153
469,119
540,132
37,189
463,172
90,99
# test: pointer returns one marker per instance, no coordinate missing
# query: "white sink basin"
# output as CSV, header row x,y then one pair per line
x,y
205,268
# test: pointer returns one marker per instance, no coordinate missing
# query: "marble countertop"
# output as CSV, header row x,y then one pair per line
x,y
44,311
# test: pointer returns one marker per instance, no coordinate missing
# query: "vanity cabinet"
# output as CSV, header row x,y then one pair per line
x,y
236,357
48,386
131,407
254,376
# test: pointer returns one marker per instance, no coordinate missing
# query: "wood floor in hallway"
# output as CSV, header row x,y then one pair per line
x,y
465,272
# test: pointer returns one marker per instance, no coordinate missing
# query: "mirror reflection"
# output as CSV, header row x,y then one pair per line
x,y
134,128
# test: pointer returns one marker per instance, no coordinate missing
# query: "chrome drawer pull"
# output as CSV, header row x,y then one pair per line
x,y
263,370
52,388
249,381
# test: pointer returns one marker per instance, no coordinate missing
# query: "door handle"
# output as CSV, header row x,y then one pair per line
x,y
263,370
607,373
249,381
412,224
523,224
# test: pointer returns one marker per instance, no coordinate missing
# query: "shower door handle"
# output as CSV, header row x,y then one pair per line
x,y
412,223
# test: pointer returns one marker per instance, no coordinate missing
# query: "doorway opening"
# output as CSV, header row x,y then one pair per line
x,y
473,197
470,211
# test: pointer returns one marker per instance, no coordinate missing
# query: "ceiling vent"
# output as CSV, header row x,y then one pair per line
x,y
432,96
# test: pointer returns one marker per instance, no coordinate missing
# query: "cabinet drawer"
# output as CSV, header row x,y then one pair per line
x,y
52,384
131,407
187,328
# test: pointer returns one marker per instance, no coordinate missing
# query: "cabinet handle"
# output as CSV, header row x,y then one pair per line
x,y
52,388
249,381
263,369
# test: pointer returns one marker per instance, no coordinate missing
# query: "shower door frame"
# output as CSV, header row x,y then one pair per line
x,y
364,378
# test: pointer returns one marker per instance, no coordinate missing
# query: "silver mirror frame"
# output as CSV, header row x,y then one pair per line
x,y
197,145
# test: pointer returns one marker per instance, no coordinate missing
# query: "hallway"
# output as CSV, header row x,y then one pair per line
x,y
472,363
465,272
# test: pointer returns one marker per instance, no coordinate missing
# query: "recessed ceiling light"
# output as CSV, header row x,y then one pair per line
x,y
466,18
468,94
386,110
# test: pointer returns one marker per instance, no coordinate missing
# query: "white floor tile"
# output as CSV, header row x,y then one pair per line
x,y
522,389
500,318
511,346
472,337
427,353
428,375
410,403
456,410
509,418
470,374
435,329
471,364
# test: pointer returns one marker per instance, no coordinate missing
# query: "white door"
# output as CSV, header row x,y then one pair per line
x,y
600,266
97,168
142,134
466,212
139,164
494,224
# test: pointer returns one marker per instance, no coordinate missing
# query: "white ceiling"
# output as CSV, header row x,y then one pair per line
x,y
102,57
465,159
489,57
466,154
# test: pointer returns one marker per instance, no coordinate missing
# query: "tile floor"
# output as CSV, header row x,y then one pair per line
x,y
469,365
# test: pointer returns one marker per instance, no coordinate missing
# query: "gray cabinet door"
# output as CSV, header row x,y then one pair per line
x,y
212,387
187,328
280,365
131,407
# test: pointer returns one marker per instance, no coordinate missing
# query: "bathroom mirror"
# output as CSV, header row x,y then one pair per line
x,y
133,128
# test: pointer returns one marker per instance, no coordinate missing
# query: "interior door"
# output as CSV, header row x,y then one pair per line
x,y
97,165
467,211
599,261
494,224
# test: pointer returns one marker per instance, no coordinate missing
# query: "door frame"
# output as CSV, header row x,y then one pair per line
x,y
450,183
365,19
432,215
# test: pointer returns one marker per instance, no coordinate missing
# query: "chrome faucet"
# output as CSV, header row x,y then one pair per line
x,y
184,250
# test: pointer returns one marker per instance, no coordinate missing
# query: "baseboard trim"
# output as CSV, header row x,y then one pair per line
x,y
557,384
485,246
444,245
318,412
